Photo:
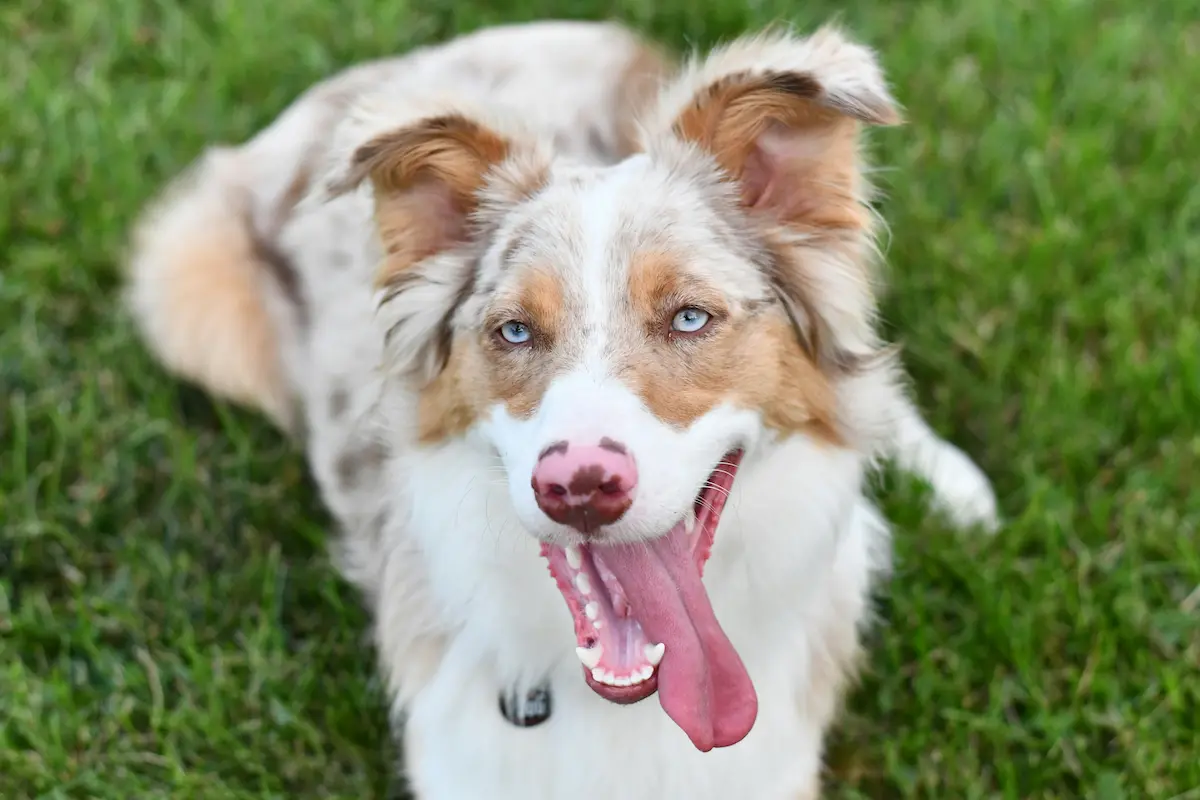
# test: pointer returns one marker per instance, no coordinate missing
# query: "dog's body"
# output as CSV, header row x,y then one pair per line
x,y
253,280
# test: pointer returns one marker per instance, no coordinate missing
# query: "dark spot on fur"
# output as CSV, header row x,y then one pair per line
x,y
519,237
356,462
600,146
377,525
281,269
292,196
339,401
793,83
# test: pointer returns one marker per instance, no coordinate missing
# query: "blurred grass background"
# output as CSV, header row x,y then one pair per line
x,y
171,627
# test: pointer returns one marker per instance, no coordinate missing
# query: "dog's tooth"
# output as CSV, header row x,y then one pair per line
x,y
598,675
645,673
622,681
590,656
597,624
654,653
636,678
592,609
583,583
574,557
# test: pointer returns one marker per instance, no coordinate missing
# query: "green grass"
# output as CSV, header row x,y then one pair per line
x,y
170,625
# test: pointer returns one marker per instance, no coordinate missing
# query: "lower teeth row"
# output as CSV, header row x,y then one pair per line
x,y
607,678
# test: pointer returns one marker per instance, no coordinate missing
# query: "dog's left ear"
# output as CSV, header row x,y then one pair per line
x,y
781,115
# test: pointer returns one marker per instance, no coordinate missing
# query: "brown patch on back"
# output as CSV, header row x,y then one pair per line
x,y
361,459
751,360
296,190
281,269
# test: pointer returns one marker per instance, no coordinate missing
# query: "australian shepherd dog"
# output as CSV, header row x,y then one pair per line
x,y
581,345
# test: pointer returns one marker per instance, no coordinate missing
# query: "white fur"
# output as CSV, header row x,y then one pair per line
x,y
513,629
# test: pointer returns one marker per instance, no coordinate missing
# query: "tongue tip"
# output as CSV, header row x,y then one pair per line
x,y
729,729
730,735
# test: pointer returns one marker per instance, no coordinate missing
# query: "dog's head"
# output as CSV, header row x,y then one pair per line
x,y
621,335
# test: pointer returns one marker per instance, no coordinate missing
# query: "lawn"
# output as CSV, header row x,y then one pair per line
x,y
170,625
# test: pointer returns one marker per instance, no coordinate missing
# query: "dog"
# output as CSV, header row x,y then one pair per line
x,y
580,341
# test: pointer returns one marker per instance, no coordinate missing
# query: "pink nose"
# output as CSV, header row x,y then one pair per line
x,y
585,486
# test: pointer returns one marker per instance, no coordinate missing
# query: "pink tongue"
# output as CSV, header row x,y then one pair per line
x,y
702,683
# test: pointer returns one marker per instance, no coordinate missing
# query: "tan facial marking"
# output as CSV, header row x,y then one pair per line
x,y
751,360
658,288
518,376
483,371
449,405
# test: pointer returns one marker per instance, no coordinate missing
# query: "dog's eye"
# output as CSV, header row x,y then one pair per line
x,y
690,320
514,332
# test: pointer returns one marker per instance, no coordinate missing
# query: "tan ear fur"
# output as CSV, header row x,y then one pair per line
x,y
426,178
781,115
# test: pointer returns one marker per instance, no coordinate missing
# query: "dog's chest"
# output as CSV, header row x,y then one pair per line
x,y
460,745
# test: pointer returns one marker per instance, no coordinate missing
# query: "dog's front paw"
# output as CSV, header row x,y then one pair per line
x,y
961,489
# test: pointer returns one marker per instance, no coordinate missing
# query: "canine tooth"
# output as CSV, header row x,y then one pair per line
x,y
592,609
583,584
590,656
654,653
574,557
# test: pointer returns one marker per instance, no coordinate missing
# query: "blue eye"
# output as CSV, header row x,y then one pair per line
x,y
690,320
514,332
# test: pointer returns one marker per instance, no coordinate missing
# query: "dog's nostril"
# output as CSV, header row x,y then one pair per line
x,y
557,489
612,486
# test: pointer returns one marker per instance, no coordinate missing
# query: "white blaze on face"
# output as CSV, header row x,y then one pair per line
x,y
589,402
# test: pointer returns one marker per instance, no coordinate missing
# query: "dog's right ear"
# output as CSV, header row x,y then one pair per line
x,y
426,178
430,176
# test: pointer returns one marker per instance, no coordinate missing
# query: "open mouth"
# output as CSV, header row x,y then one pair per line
x,y
644,623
